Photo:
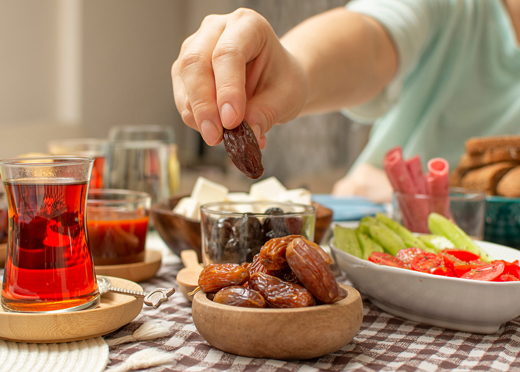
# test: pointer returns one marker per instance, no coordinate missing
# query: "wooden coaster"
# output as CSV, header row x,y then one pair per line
x,y
136,272
114,312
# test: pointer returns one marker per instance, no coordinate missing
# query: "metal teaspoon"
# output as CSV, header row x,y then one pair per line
x,y
155,298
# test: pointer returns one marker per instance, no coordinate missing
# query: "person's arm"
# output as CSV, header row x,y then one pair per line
x,y
348,59
234,68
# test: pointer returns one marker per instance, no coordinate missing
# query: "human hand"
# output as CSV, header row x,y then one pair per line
x,y
366,180
235,68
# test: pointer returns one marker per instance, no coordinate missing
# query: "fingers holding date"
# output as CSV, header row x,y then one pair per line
x,y
294,274
243,149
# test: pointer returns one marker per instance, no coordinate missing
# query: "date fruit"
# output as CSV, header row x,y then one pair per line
x,y
279,293
243,149
217,276
239,296
272,254
312,270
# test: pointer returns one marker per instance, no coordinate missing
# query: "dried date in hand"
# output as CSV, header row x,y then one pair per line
x,y
217,276
239,296
312,270
243,149
279,293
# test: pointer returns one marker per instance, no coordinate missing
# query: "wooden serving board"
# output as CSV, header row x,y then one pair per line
x,y
136,272
114,312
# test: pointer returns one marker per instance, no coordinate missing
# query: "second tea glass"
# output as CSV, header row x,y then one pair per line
x,y
94,147
49,266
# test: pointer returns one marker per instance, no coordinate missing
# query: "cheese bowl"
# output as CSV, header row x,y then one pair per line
x,y
454,303
300,333
180,232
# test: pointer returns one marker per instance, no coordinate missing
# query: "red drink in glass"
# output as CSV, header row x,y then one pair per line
x,y
49,265
96,179
117,238
117,223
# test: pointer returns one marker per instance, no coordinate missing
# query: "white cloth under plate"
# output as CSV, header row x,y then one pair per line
x,y
86,355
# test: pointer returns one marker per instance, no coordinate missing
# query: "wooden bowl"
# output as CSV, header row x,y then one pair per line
x,y
301,333
180,233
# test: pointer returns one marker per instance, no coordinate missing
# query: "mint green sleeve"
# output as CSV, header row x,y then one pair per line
x,y
410,24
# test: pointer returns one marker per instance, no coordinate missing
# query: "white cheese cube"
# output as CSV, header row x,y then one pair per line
x,y
206,191
238,197
268,189
188,207
297,196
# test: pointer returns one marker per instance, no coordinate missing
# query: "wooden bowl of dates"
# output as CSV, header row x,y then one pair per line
x,y
180,232
295,333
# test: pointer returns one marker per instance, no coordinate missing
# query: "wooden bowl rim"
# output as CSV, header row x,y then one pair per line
x,y
352,296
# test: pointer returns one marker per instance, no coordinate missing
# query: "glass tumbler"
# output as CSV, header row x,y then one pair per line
x,y
234,232
85,147
49,266
161,133
117,223
464,207
139,166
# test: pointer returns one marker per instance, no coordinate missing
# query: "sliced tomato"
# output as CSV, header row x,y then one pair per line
x,y
510,268
486,272
442,271
407,255
461,254
506,278
426,261
479,262
451,261
382,258
460,270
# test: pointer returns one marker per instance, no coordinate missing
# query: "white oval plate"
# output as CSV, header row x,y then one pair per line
x,y
460,304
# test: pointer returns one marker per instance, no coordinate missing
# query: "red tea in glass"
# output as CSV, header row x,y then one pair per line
x,y
95,147
117,223
96,179
49,265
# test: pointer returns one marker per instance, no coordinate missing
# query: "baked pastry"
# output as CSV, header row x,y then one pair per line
x,y
509,185
479,145
487,177
489,156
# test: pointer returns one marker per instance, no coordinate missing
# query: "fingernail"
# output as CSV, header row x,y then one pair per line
x,y
256,130
210,132
228,115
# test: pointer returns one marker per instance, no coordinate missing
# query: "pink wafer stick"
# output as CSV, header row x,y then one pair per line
x,y
438,186
416,173
415,211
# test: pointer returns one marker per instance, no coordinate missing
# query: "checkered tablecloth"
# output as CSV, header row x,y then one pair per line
x,y
384,343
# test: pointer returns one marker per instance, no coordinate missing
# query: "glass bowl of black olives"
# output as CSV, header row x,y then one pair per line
x,y
234,232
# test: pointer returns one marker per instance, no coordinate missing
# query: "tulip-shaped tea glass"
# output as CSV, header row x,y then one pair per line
x,y
95,147
49,266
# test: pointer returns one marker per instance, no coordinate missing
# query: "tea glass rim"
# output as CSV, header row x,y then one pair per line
x,y
455,194
47,161
307,209
128,196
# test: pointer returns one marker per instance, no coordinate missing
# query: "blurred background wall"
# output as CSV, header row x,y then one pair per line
x,y
76,68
